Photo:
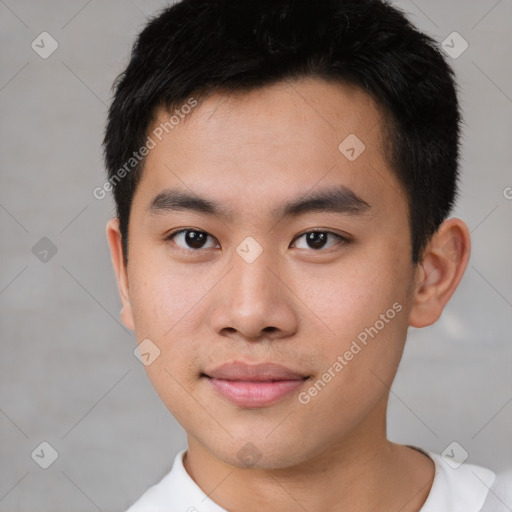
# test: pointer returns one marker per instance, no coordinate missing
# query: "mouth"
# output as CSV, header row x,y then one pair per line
x,y
253,386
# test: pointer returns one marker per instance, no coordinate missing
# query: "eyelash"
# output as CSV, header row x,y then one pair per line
x,y
342,239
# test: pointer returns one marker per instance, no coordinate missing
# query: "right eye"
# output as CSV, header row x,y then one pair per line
x,y
190,239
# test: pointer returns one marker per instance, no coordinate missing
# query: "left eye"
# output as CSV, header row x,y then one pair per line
x,y
318,239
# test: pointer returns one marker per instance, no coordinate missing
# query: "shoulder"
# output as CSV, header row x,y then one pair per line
x,y
156,498
459,486
175,491
499,498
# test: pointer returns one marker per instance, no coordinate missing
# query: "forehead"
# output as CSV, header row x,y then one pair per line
x,y
260,145
293,110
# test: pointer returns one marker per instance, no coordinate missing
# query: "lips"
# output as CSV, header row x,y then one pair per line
x,y
253,386
256,372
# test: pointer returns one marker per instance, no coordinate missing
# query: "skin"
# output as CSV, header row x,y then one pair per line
x,y
294,305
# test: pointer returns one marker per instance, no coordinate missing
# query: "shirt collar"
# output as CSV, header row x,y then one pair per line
x,y
177,492
457,489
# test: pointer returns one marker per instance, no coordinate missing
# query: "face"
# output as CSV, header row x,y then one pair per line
x,y
295,250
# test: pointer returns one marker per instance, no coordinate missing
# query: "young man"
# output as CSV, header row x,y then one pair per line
x,y
283,172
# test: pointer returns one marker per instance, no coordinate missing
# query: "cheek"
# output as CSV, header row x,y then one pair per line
x,y
362,315
362,348
161,294
348,300
163,303
166,302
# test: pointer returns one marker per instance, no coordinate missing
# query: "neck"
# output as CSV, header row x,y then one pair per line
x,y
362,471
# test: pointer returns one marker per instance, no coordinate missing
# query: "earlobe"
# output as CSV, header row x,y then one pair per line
x,y
114,239
444,262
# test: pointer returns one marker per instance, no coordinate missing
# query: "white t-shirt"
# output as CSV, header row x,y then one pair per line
x,y
468,488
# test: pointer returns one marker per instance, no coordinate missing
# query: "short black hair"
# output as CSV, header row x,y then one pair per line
x,y
198,47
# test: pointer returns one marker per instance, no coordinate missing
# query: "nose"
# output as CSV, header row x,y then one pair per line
x,y
254,302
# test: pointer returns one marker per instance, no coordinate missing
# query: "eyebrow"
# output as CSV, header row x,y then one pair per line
x,y
339,199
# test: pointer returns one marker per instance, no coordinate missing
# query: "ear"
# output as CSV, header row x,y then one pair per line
x,y
116,251
443,264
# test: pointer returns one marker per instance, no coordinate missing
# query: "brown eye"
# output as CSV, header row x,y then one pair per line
x,y
319,239
191,239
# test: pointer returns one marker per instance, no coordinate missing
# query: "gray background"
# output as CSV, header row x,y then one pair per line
x,y
67,372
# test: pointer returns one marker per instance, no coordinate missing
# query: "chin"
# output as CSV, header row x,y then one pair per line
x,y
253,452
